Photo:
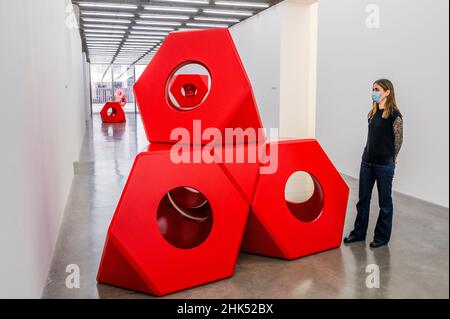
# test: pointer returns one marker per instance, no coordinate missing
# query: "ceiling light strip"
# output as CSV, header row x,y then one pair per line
x,y
227,12
187,1
152,28
93,35
212,19
107,20
104,31
107,14
107,5
105,26
166,23
164,16
171,9
207,25
242,4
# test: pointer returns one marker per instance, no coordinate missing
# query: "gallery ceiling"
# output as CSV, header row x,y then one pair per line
x,y
131,31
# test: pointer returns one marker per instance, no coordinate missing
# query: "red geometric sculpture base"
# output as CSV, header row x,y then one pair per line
x,y
116,113
147,244
189,90
289,230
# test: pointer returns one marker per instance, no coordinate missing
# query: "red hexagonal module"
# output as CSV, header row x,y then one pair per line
x,y
160,240
289,230
189,90
112,112
230,101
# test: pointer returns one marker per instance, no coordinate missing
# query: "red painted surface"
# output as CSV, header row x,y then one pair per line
x,y
230,101
274,230
138,257
117,114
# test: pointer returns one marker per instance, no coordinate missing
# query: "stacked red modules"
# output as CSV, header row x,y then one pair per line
x,y
180,224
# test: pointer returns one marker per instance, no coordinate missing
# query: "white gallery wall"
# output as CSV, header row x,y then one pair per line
x,y
410,47
87,85
257,40
43,123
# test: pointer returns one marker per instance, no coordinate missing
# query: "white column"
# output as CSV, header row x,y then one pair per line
x,y
298,68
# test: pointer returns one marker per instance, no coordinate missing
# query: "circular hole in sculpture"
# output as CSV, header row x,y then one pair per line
x,y
188,86
184,217
304,196
111,111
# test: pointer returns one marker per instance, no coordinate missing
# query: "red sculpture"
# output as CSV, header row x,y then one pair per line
x,y
152,247
181,223
230,101
112,112
289,230
189,90
121,97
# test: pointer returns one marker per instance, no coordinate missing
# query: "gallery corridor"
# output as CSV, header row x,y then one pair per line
x,y
301,106
414,265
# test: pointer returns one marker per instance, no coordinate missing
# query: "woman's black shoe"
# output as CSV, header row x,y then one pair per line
x,y
352,239
376,245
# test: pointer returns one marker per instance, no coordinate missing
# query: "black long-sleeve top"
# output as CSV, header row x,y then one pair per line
x,y
384,139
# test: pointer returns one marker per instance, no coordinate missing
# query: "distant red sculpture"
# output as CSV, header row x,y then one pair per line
x,y
112,112
121,97
180,223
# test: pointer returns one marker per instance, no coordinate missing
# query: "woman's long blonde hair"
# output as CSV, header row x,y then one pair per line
x,y
391,103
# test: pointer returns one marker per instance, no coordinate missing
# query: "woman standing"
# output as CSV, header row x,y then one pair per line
x,y
378,164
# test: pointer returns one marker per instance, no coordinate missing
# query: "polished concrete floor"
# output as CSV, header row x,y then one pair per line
x,y
414,265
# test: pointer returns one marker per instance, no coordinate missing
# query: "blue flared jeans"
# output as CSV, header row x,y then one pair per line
x,y
383,175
